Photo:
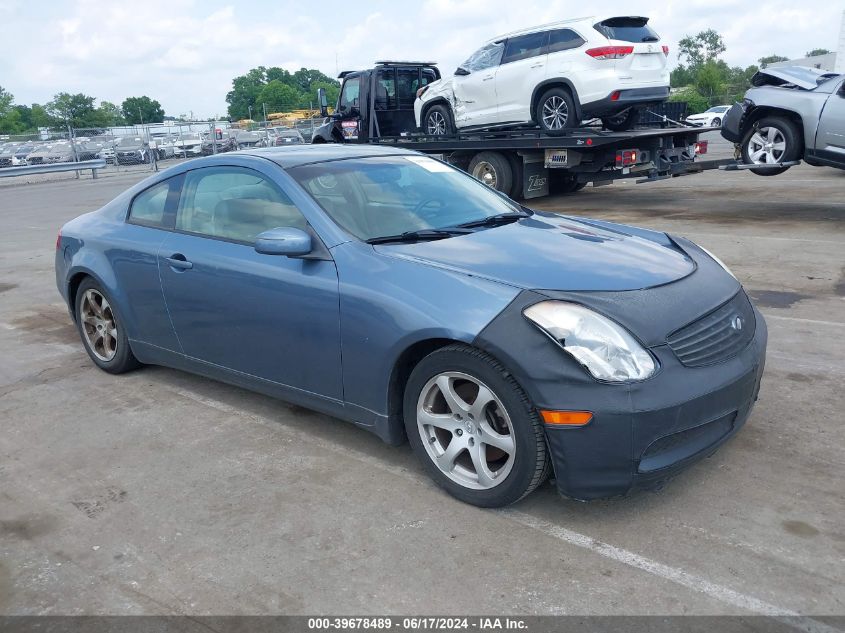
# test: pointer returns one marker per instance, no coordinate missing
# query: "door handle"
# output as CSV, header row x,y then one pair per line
x,y
487,78
537,65
178,261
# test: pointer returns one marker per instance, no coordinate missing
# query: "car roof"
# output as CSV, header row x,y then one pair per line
x,y
296,155
590,20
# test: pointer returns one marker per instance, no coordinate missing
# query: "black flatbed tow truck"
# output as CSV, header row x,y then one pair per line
x,y
521,163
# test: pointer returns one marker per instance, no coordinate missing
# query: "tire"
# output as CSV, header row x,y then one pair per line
x,y
438,121
768,129
114,354
555,100
507,419
517,174
717,122
623,121
494,170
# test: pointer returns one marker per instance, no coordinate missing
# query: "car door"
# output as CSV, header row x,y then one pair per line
x,y
269,316
523,67
475,93
133,255
830,137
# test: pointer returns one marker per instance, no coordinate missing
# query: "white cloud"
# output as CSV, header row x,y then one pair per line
x,y
186,52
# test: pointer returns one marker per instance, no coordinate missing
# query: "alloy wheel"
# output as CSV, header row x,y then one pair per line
x,y
555,113
766,146
436,123
466,430
99,325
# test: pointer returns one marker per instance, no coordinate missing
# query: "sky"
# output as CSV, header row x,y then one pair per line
x,y
184,53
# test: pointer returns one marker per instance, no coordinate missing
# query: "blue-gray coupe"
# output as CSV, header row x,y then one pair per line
x,y
392,290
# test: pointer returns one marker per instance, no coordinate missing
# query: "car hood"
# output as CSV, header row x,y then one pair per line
x,y
550,252
798,76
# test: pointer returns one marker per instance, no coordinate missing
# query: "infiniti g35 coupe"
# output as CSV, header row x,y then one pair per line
x,y
389,289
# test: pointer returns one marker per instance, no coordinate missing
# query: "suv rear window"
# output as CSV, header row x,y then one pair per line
x,y
627,30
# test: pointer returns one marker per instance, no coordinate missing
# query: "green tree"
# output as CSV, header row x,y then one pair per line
x,y
696,102
244,92
142,110
74,110
110,114
695,50
6,101
278,97
817,51
771,59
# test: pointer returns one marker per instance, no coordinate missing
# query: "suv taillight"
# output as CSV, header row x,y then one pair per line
x,y
666,50
610,52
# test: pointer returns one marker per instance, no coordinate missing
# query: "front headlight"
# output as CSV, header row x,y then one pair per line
x,y
603,347
717,260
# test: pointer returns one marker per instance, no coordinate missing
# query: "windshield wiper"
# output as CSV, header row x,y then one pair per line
x,y
493,220
418,236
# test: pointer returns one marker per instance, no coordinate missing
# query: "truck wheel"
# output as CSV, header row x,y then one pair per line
x,y
555,111
517,171
494,170
438,121
771,140
623,121
562,184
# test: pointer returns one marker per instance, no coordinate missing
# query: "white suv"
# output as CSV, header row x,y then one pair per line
x,y
554,76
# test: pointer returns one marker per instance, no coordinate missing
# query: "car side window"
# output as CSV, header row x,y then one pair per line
x,y
486,57
149,208
407,83
385,90
525,46
234,203
563,40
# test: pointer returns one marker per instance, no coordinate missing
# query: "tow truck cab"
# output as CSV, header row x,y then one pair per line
x,y
375,103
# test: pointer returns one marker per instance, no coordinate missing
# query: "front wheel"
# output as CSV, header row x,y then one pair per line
x,y
622,121
473,428
438,121
770,141
101,330
555,111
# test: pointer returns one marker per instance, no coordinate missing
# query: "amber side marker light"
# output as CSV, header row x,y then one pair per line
x,y
566,418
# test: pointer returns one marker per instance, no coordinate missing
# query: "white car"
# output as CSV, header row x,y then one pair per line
x,y
553,76
709,118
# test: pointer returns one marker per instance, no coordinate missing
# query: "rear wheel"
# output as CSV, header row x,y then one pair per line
x,y
101,330
438,121
770,141
563,183
473,428
717,122
494,170
555,111
622,121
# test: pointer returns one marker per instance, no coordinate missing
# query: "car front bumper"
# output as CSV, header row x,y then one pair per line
x,y
683,415
732,123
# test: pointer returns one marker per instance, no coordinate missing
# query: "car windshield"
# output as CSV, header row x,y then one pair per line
x,y
718,109
630,29
128,141
391,195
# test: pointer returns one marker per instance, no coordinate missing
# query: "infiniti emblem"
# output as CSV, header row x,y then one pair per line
x,y
736,323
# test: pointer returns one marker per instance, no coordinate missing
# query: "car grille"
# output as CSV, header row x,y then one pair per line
x,y
35,160
717,335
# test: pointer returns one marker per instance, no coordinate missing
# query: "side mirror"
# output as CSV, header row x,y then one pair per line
x,y
461,71
324,103
286,241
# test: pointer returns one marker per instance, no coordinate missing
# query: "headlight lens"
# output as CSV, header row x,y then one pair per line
x,y
717,260
604,348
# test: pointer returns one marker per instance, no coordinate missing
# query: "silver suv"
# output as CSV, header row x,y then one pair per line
x,y
791,113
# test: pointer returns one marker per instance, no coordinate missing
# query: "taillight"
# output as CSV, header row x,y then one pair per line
x,y
626,158
610,52
59,240
666,50
701,147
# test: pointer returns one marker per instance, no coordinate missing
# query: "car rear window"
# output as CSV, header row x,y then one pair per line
x,y
630,29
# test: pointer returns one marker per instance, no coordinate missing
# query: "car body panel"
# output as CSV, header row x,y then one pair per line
x,y
549,251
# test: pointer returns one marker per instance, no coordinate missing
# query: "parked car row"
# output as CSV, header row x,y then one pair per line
x,y
134,150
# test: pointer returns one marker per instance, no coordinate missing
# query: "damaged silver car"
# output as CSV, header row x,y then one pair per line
x,y
790,113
